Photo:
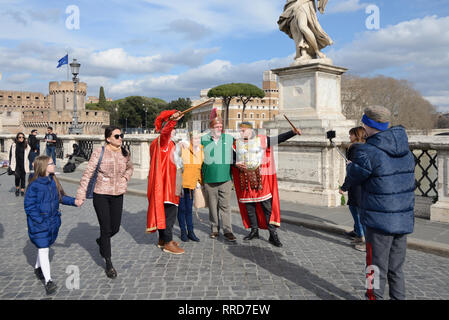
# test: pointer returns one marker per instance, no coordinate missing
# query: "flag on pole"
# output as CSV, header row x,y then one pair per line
x,y
63,61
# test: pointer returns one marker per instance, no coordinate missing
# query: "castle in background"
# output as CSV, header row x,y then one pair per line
x,y
24,111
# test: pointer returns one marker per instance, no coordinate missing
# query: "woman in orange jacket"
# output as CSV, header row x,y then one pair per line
x,y
192,158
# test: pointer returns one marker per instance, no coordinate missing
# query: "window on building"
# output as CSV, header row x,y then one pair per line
x,y
239,115
263,115
251,115
257,116
18,97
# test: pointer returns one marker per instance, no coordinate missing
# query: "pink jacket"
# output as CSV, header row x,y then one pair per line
x,y
113,175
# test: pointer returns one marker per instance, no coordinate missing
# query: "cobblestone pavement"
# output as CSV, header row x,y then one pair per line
x,y
311,265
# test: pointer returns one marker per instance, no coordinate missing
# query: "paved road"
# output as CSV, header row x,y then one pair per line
x,y
311,265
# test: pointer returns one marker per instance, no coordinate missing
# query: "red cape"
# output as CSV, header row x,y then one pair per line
x,y
268,170
161,179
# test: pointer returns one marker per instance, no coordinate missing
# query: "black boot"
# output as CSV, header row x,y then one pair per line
x,y
274,239
191,235
184,235
17,192
110,271
254,234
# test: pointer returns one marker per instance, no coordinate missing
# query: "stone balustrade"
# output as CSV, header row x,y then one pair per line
x,y
308,167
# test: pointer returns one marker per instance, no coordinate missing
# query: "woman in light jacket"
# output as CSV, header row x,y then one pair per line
x,y
115,170
19,163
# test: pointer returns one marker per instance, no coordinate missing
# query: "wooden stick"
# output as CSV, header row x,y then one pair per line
x,y
196,107
294,128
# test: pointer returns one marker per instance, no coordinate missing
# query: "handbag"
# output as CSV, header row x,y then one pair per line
x,y
199,199
93,179
10,172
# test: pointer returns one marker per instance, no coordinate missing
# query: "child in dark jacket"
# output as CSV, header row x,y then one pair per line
x,y
42,198
357,137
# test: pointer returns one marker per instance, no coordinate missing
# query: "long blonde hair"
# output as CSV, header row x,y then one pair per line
x,y
40,165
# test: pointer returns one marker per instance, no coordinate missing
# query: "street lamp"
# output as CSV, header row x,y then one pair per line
x,y
75,128
146,110
126,125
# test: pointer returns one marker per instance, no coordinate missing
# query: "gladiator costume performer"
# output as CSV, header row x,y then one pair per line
x,y
255,182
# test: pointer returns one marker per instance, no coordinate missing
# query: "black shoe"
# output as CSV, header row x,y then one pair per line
x,y
184,237
22,193
254,234
111,273
39,274
274,240
230,237
17,192
50,287
192,236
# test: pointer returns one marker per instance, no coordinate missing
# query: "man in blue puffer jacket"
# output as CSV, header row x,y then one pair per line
x,y
384,166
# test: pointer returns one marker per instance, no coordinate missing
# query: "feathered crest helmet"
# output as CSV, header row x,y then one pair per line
x,y
214,119
162,118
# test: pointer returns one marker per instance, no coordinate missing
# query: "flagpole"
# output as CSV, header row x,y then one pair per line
x,y
68,77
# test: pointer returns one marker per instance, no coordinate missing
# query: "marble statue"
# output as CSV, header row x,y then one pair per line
x,y
299,21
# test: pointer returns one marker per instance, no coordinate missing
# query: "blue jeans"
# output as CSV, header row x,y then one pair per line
x,y
185,210
359,227
51,152
31,157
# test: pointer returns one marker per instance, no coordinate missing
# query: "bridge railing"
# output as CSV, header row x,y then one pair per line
x,y
308,167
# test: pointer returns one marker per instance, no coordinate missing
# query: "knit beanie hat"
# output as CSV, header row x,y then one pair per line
x,y
377,117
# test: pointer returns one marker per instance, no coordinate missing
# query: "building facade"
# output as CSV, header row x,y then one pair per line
x,y
257,111
25,111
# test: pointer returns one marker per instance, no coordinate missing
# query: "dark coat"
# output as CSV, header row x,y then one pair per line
x,y
354,192
385,168
42,209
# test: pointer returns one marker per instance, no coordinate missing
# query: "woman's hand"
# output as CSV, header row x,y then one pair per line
x,y
340,191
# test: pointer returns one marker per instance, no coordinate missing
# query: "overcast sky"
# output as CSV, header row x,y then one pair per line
x,y
175,48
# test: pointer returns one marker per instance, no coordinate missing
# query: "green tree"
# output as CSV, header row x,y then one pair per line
x,y
131,111
246,92
181,104
102,99
227,92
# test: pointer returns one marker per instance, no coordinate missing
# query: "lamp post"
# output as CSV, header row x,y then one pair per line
x,y
115,118
146,110
126,125
75,128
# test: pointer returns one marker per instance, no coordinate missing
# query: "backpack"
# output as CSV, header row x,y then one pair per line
x,y
69,167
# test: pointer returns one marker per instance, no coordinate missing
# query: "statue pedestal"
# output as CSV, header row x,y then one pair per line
x,y
310,96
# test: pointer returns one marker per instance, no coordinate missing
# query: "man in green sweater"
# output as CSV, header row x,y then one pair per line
x,y
217,178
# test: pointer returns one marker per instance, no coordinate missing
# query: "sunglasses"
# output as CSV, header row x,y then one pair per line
x,y
21,137
117,136
50,164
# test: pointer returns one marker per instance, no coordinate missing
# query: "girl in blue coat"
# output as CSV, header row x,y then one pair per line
x,y
42,198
